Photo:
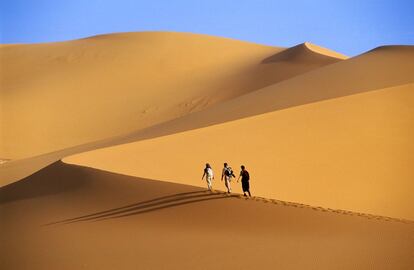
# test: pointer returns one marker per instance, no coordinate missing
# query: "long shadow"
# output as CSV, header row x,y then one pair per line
x,y
221,196
146,206
127,206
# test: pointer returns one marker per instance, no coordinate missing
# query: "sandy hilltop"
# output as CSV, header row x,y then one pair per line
x,y
103,142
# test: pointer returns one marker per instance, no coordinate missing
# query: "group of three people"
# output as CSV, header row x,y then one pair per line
x,y
227,174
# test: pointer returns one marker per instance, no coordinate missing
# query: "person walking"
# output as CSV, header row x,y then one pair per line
x,y
227,174
245,178
208,173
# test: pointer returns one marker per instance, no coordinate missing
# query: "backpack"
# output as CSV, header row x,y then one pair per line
x,y
228,171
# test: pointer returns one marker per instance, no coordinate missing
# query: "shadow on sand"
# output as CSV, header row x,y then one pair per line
x,y
148,206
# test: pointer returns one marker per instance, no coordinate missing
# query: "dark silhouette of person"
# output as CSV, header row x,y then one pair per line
x,y
245,178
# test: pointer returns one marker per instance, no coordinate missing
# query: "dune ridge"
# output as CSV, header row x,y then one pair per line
x,y
294,149
306,52
219,112
122,74
325,51
178,228
89,124
336,79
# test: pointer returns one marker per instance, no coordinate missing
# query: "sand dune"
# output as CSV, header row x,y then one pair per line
x,y
370,71
349,166
344,153
370,141
158,225
327,140
306,53
113,84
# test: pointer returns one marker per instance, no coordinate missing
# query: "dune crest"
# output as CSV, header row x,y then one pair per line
x,y
217,81
328,142
306,53
341,153
103,220
325,51
118,83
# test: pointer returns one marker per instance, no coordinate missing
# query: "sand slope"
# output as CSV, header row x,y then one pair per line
x,y
344,152
320,134
59,95
158,225
370,71
349,153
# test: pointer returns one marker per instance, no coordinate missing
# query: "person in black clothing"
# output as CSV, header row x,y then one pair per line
x,y
244,174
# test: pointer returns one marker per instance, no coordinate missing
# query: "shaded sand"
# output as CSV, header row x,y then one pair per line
x,y
351,153
370,71
122,222
318,145
59,95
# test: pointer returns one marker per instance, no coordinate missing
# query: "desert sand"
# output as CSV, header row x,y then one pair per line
x,y
327,140
72,217
135,80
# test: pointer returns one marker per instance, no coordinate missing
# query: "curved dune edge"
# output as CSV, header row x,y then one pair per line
x,y
178,223
378,73
14,170
326,209
306,53
37,163
325,51
114,212
17,169
148,77
310,158
135,76
374,70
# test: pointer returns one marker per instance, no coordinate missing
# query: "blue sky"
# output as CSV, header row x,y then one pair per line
x,y
347,26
